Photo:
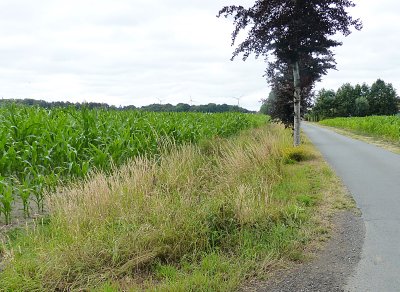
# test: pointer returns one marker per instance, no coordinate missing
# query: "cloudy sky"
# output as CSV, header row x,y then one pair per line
x,y
145,51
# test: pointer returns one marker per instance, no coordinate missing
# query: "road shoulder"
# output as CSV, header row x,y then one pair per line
x,y
331,259
330,267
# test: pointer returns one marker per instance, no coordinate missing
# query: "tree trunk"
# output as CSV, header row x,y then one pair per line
x,y
297,97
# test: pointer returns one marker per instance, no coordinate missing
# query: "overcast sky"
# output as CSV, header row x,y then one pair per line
x,y
142,51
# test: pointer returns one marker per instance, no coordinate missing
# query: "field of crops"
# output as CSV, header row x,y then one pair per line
x,y
41,148
387,127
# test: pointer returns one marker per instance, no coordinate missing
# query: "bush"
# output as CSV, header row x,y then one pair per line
x,y
297,154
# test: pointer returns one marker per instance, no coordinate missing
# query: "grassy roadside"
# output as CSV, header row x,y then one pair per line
x,y
376,140
205,217
382,131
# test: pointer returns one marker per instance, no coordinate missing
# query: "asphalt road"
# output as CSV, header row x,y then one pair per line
x,y
372,175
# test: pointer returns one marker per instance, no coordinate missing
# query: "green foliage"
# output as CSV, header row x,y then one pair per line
x,y
43,147
180,107
325,104
6,199
345,100
387,127
205,108
382,99
183,221
360,100
264,109
362,106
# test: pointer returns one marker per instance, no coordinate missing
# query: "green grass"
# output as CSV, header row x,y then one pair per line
x,y
42,148
385,127
197,218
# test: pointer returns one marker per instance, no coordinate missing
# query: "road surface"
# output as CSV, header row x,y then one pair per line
x,y
372,175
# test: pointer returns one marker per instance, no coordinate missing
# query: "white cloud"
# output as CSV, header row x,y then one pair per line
x,y
371,53
135,51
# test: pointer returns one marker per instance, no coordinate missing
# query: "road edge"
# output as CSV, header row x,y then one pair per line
x,y
331,267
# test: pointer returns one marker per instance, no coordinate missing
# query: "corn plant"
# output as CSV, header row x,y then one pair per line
x,y
42,148
6,200
24,193
387,127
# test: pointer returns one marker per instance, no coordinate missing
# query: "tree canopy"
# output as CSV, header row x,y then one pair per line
x,y
298,34
291,28
280,99
360,100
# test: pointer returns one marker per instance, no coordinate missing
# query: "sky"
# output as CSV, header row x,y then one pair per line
x,y
139,52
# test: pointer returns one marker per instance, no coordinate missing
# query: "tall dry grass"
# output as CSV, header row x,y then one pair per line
x,y
189,201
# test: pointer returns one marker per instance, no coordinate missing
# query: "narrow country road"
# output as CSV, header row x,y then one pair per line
x,y
372,175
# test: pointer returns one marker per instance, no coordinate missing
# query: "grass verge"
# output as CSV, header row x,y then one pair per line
x,y
376,140
382,131
204,218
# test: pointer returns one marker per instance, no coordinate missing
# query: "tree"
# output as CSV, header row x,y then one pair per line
x,y
268,104
280,100
361,103
346,97
325,104
361,100
382,99
292,30
182,107
264,109
362,106
279,76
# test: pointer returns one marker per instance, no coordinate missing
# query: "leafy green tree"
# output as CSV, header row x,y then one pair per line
x,y
292,30
182,107
362,106
325,104
264,108
382,99
361,100
268,104
363,89
346,97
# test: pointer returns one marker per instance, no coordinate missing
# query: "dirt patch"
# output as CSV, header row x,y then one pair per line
x,y
17,221
330,268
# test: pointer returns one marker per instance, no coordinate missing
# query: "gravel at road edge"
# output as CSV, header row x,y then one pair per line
x,y
330,268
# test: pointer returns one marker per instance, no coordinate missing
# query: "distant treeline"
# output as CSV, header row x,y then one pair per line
x,y
356,101
180,107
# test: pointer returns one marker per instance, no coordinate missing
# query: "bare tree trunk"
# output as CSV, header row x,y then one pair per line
x,y
297,97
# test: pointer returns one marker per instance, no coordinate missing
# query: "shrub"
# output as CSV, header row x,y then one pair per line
x,y
297,154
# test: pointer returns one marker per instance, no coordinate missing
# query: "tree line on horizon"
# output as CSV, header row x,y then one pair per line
x,y
180,107
359,100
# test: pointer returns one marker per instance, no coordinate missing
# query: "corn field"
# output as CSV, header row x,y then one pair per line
x,y
42,148
387,127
